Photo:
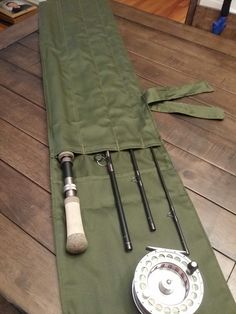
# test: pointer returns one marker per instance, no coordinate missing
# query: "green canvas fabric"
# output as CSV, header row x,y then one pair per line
x,y
87,66
159,100
86,76
158,94
100,280
202,112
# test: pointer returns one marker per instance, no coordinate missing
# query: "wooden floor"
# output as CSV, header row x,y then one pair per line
x,y
204,152
173,9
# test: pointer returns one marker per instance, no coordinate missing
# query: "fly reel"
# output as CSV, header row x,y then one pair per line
x,y
167,282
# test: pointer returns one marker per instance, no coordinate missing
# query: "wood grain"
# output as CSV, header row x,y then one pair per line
x,y
29,278
21,82
178,45
20,56
179,30
173,9
31,213
31,41
232,283
23,115
204,178
218,224
208,146
225,263
18,31
159,48
24,154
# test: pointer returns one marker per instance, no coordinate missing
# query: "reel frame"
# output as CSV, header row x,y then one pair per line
x,y
165,283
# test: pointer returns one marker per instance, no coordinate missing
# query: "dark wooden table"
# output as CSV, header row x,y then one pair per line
x,y
204,152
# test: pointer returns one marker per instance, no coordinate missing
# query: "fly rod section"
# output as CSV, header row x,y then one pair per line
x,y
167,282
171,205
76,239
106,159
139,181
119,206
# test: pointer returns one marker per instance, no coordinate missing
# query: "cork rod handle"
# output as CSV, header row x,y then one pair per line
x,y
76,239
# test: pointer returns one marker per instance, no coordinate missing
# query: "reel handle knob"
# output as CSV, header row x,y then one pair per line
x,y
192,267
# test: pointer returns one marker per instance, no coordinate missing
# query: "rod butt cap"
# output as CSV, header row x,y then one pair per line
x,y
76,243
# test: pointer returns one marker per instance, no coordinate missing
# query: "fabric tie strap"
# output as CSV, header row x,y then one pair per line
x,y
160,99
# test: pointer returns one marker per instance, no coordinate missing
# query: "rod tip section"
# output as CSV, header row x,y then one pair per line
x,y
76,243
152,226
128,246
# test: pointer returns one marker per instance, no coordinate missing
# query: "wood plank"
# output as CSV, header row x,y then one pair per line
x,y
27,205
21,82
24,115
36,69
232,283
218,223
225,263
186,32
29,271
172,9
165,44
157,39
31,41
19,55
199,142
18,31
189,58
204,178
25,154
161,75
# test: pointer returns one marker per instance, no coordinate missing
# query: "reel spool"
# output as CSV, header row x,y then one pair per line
x,y
167,282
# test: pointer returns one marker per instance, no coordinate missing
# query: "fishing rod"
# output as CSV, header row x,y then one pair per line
x,y
171,205
138,178
76,239
119,206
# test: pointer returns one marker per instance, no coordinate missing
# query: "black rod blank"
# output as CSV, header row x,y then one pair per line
x,y
139,181
120,210
171,205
